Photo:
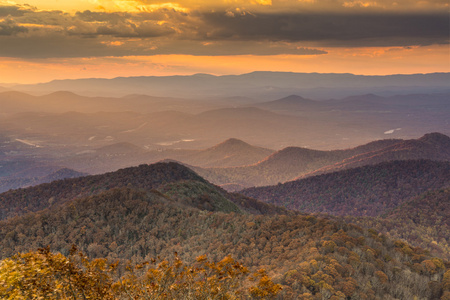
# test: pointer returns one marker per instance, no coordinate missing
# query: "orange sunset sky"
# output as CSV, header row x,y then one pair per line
x,y
42,40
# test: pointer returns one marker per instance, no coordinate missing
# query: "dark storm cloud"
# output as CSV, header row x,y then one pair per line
x,y
332,29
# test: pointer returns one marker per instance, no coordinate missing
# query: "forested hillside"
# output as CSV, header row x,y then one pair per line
x,y
363,191
423,221
308,256
294,163
163,176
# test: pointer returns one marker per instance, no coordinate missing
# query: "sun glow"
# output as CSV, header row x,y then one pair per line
x,y
137,6
43,40
366,61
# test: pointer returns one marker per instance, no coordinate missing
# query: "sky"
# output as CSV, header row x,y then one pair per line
x,y
43,40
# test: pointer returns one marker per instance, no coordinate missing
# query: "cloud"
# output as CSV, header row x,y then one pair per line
x,y
258,6
14,10
63,46
331,29
9,27
29,32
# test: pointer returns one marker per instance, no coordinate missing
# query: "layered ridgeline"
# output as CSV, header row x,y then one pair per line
x,y
364,191
261,84
64,128
34,174
22,171
63,101
160,177
293,162
233,164
422,221
229,153
396,198
153,213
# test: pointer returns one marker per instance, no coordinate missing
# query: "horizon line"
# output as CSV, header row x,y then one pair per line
x,y
12,84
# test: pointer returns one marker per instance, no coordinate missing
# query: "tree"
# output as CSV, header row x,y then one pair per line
x,y
42,274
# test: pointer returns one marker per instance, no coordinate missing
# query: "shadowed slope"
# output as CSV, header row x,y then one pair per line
x,y
363,191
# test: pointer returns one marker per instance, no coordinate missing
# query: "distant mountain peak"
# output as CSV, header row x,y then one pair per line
x,y
14,94
232,142
63,94
290,154
367,97
435,138
203,75
231,145
294,98
291,102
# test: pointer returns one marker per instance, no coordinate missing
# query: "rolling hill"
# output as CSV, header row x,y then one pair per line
x,y
34,174
292,102
79,121
63,101
229,153
363,191
294,163
160,176
433,146
309,256
423,221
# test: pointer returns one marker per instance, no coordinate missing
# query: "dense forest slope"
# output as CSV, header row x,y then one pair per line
x,y
162,176
363,191
308,256
423,221
294,162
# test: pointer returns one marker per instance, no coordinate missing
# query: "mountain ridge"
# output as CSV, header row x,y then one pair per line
x,y
144,177
369,190
434,146
301,252
253,84
296,162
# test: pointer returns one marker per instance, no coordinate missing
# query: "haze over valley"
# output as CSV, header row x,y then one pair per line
x,y
232,140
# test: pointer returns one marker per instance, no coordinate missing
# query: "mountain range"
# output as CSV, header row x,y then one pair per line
x,y
370,190
77,123
232,164
260,85
162,176
295,162
422,221
32,174
155,210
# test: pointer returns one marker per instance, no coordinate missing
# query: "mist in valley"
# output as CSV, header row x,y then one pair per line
x,y
42,134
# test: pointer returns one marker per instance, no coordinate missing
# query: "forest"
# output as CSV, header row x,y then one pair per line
x,y
307,256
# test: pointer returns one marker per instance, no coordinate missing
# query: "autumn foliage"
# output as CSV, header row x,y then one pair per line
x,y
309,257
42,274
